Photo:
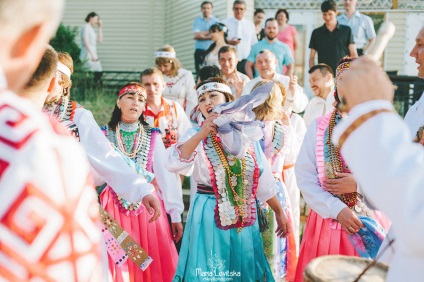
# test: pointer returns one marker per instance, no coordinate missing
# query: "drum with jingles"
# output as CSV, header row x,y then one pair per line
x,y
336,268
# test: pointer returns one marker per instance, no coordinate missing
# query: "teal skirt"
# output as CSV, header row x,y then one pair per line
x,y
212,254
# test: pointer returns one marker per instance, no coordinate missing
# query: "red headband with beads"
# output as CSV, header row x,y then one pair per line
x,y
133,89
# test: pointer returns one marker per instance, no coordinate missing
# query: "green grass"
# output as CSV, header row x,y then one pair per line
x,y
99,100
101,106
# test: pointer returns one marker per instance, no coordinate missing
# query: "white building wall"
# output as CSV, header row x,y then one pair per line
x,y
131,29
394,53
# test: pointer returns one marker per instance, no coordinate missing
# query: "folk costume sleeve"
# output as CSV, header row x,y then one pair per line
x,y
390,171
107,162
322,202
168,183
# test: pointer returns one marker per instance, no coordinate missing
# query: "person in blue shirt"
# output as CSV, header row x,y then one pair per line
x,y
280,50
202,37
361,25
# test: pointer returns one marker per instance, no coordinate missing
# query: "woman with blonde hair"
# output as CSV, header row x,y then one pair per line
x,y
276,141
179,82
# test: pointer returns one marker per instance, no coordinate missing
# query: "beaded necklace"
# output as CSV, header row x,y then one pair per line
x,y
125,137
239,200
235,183
350,199
140,157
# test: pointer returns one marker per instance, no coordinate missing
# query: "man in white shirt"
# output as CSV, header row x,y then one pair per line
x,y
266,64
414,118
241,33
321,79
376,146
227,57
361,25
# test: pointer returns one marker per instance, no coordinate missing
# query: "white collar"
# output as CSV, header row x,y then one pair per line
x,y
356,14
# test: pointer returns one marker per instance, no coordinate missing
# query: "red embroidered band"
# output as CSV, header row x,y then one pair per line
x,y
133,89
358,122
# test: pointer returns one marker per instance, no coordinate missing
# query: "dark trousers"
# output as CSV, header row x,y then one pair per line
x,y
98,78
199,57
360,52
241,65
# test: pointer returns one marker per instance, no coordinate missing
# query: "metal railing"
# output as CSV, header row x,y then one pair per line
x,y
84,84
409,88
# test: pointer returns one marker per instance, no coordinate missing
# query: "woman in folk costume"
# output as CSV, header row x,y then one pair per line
x,y
144,151
340,221
107,164
280,252
222,238
180,86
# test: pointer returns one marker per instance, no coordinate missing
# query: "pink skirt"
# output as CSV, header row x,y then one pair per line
x,y
155,238
322,237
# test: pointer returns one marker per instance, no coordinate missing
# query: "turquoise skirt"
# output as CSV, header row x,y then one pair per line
x,y
212,254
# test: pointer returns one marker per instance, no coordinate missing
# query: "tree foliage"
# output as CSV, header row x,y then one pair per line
x,y
65,41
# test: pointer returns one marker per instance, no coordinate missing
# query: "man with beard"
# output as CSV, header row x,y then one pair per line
x,y
281,50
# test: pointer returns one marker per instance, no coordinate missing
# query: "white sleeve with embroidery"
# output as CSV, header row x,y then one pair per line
x,y
390,169
175,163
107,162
169,183
266,184
322,202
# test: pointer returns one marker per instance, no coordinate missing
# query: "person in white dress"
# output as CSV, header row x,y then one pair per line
x,y
107,164
295,102
222,227
144,151
179,82
89,39
376,145
276,143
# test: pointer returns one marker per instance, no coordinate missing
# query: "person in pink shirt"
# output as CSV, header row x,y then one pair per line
x,y
286,33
